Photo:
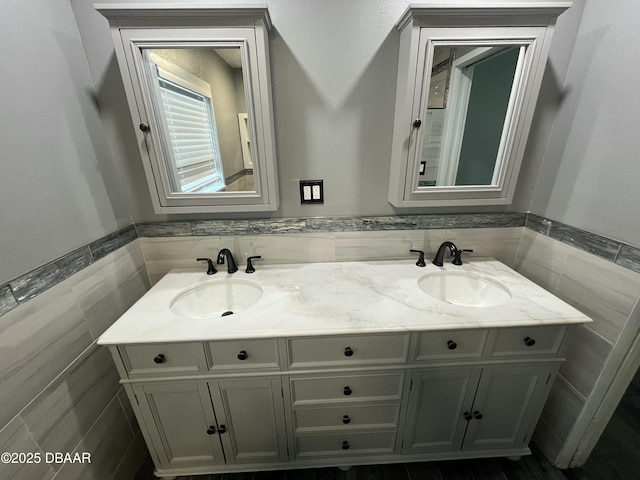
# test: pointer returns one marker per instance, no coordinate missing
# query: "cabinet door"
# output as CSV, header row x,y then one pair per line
x,y
181,423
252,411
507,405
437,401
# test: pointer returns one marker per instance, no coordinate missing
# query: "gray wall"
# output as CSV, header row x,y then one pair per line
x,y
334,67
590,177
59,188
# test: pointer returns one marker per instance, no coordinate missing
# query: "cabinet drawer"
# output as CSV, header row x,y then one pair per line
x,y
347,388
527,341
347,416
451,344
348,350
347,444
163,359
238,354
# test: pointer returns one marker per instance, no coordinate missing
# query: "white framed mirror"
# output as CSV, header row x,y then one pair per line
x,y
468,81
197,81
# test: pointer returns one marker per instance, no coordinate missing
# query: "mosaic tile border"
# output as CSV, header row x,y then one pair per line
x,y
329,224
31,284
38,280
617,252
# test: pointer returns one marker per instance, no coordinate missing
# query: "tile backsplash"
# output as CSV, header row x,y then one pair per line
x,y
315,240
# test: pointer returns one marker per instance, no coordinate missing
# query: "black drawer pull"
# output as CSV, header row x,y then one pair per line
x,y
347,391
467,416
346,419
529,342
345,445
242,355
451,345
160,358
211,430
222,429
477,415
348,352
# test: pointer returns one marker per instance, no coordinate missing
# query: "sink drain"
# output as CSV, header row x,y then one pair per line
x,y
228,312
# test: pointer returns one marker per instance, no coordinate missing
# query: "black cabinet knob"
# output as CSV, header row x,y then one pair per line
x,y
451,345
348,352
477,415
144,127
222,429
242,355
467,416
529,342
417,122
160,358
345,445
211,430
347,391
346,419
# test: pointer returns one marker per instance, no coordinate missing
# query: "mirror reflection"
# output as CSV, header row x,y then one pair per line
x,y
200,111
470,101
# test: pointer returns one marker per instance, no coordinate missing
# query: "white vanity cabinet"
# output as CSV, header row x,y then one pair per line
x,y
276,403
345,404
346,414
214,423
508,401
252,410
304,381
207,406
179,422
494,408
463,399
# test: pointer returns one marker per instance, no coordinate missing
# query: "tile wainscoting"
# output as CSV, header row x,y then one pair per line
x,y
52,316
589,385
337,235
59,390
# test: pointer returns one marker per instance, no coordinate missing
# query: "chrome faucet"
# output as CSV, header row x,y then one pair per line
x,y
453,250
232,266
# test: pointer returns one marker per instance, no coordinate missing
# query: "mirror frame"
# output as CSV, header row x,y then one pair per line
x,y
422,27
136,27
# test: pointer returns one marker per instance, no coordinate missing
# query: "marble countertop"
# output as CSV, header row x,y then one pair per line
x,y
336,298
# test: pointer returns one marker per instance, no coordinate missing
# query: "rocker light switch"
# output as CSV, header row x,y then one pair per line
x,y
311,191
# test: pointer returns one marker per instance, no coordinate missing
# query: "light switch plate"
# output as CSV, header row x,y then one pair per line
x,y
311,191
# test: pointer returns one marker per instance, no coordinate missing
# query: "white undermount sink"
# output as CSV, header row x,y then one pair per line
x,y
465,289
216,298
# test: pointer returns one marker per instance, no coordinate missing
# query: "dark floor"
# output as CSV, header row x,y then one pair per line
x,y
616,457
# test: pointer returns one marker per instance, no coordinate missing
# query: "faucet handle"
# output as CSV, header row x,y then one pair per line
x,y
457,259
420,262
250,268
211,269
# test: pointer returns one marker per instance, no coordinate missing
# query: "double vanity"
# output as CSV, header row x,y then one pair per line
x,y
335,364
338,364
